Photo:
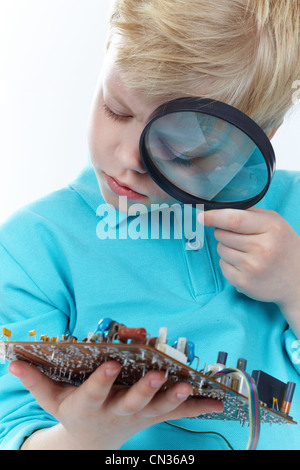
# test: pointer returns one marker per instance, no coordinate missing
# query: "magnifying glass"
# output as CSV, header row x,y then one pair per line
x,y
202,151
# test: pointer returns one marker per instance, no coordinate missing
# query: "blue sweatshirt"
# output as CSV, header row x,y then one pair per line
x,y
57,276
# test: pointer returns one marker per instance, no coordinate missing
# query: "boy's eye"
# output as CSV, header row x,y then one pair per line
x,y
114,116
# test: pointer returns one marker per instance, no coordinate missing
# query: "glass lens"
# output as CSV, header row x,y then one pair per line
x,y
206,157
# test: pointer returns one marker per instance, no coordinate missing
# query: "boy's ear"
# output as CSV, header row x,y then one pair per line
x,y
271,133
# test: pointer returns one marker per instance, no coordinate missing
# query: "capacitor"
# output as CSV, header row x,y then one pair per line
x,y
190,351
186,347
238,382
288,398
137,335
220,365
103,325
70,339
32,333
6,332
222,358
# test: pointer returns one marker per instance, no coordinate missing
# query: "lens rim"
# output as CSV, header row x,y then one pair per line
x,y
227,113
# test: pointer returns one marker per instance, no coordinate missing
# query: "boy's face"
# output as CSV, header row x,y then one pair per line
x,y
117,120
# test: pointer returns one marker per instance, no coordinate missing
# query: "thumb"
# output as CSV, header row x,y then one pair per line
x,y
47,393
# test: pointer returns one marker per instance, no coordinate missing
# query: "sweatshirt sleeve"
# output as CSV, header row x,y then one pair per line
x,y
23,307
292,346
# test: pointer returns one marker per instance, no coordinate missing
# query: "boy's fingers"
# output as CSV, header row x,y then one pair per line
x,y
165,402
196,407
138,395
95,390
250,222
231,255
45,390
49,394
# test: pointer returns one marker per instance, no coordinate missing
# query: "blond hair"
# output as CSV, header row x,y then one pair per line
x,y
243,52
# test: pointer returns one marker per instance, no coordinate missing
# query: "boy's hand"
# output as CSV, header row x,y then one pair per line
x,y
97,415
260,256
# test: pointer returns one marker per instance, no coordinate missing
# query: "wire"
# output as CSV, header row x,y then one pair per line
x,y
253,403
201,432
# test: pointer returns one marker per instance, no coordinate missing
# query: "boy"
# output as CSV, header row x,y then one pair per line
x,y
57,275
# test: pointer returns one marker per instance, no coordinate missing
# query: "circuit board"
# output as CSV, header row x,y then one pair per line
x,y
74,362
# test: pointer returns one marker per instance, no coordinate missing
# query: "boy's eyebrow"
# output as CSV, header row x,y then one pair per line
x,y
123,104
116,97
111,89
114,86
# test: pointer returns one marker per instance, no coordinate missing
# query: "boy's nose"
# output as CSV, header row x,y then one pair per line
x,y
128,153
131,160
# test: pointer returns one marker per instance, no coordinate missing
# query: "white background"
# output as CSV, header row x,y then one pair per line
x,y
51,52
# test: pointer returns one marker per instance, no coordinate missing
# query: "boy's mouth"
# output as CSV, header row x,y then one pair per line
x,y
121,190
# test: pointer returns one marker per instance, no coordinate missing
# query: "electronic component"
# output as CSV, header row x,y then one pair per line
x,y
274,393
237,380
172,352
190,352
103,325
177,352
257,399
32,333
288,397
162,336
136,335
46,338
5,332
112,332
220,365
69,339
187,348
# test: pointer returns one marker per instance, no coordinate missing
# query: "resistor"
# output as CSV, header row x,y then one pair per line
x,y
137,335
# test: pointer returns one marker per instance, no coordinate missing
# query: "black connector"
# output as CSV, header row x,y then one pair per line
x,y
275,394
